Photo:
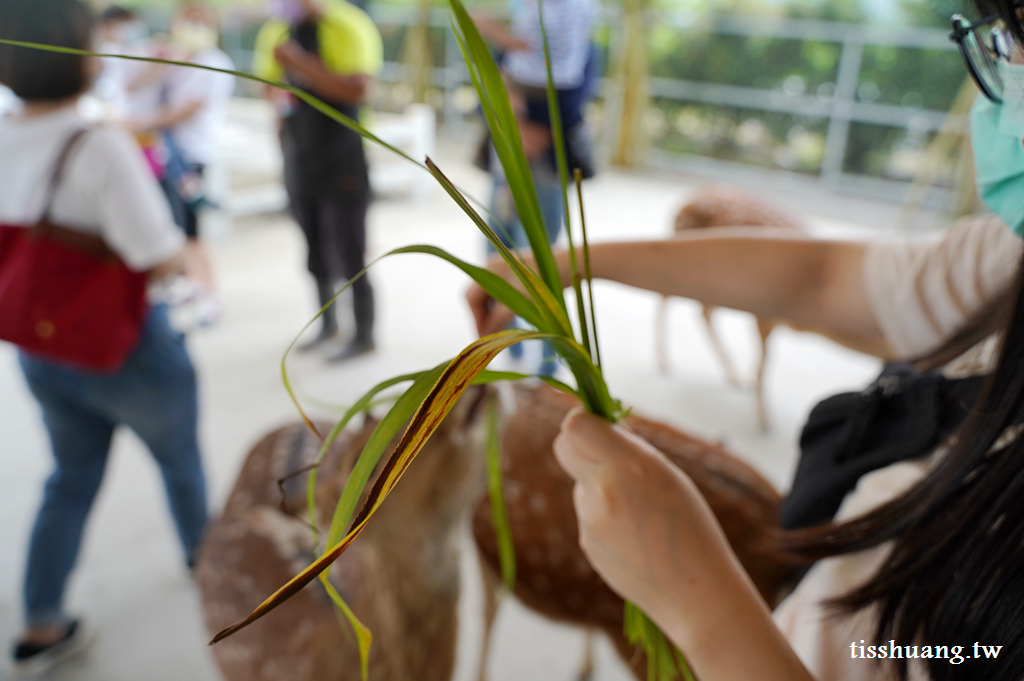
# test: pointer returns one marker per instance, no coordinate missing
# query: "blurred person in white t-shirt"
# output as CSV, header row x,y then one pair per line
x,y
131,88
193,107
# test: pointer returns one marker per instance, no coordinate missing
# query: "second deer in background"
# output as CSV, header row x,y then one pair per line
x,y
727,206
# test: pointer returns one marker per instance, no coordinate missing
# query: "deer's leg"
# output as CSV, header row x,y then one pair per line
x,y
764,327
661,335
492,592
716,345
587,668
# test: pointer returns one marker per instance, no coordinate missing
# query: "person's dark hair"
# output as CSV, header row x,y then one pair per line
x,y
35,75
955,574
115,13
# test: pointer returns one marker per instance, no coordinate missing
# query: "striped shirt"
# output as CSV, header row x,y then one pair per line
x,y
569,24
923,290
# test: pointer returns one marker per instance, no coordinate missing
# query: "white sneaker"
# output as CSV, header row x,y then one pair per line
x,y
37,663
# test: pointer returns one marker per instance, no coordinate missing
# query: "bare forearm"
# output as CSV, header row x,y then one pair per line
x,y
169,117
176,265
495,33
147,77
734,636
348,90
805,281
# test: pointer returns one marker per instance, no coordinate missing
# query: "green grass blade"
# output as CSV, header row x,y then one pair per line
x,y
586,266
487,376
306,97
562,164
383,434
542,317
313,101
496,286
361,405
551,307
499,512
665,662
508,144
590,383
364,637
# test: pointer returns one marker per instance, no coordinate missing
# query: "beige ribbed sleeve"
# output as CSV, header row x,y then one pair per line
x,y
922,291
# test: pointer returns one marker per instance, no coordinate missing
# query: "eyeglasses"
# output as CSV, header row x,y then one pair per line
x,y
983,44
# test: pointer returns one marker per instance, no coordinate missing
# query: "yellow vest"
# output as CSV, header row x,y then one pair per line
x,y
349,42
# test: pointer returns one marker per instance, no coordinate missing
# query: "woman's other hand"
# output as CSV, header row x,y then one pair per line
x,y
489,315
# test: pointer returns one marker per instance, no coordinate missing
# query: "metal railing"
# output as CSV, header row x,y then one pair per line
x,y
842,109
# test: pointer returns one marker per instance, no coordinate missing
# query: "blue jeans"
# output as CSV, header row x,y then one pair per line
x,y
154,394
506,224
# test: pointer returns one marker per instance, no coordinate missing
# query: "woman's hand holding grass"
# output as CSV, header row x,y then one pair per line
x,y
651,535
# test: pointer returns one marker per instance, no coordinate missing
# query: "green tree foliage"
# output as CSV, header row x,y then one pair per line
x,y
904,77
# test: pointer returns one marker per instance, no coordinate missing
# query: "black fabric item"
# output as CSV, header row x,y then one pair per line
x,y
903,415
320,154
25,651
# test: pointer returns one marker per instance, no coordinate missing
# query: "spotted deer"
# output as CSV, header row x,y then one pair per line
x,y
553,576
726,206
401,576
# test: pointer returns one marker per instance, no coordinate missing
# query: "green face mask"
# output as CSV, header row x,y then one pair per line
x,y
996,132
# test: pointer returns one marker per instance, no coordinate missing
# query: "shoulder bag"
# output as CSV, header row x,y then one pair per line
x,y
65,295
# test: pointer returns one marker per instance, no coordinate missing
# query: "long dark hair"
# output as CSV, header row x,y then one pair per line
x,y
955,574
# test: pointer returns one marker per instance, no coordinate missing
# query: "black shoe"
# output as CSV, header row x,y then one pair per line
x,y
32,661
354,349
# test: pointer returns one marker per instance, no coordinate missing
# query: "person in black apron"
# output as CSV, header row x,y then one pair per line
x,y
327,180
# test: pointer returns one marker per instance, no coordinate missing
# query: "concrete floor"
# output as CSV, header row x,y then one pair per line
x,y
130,582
